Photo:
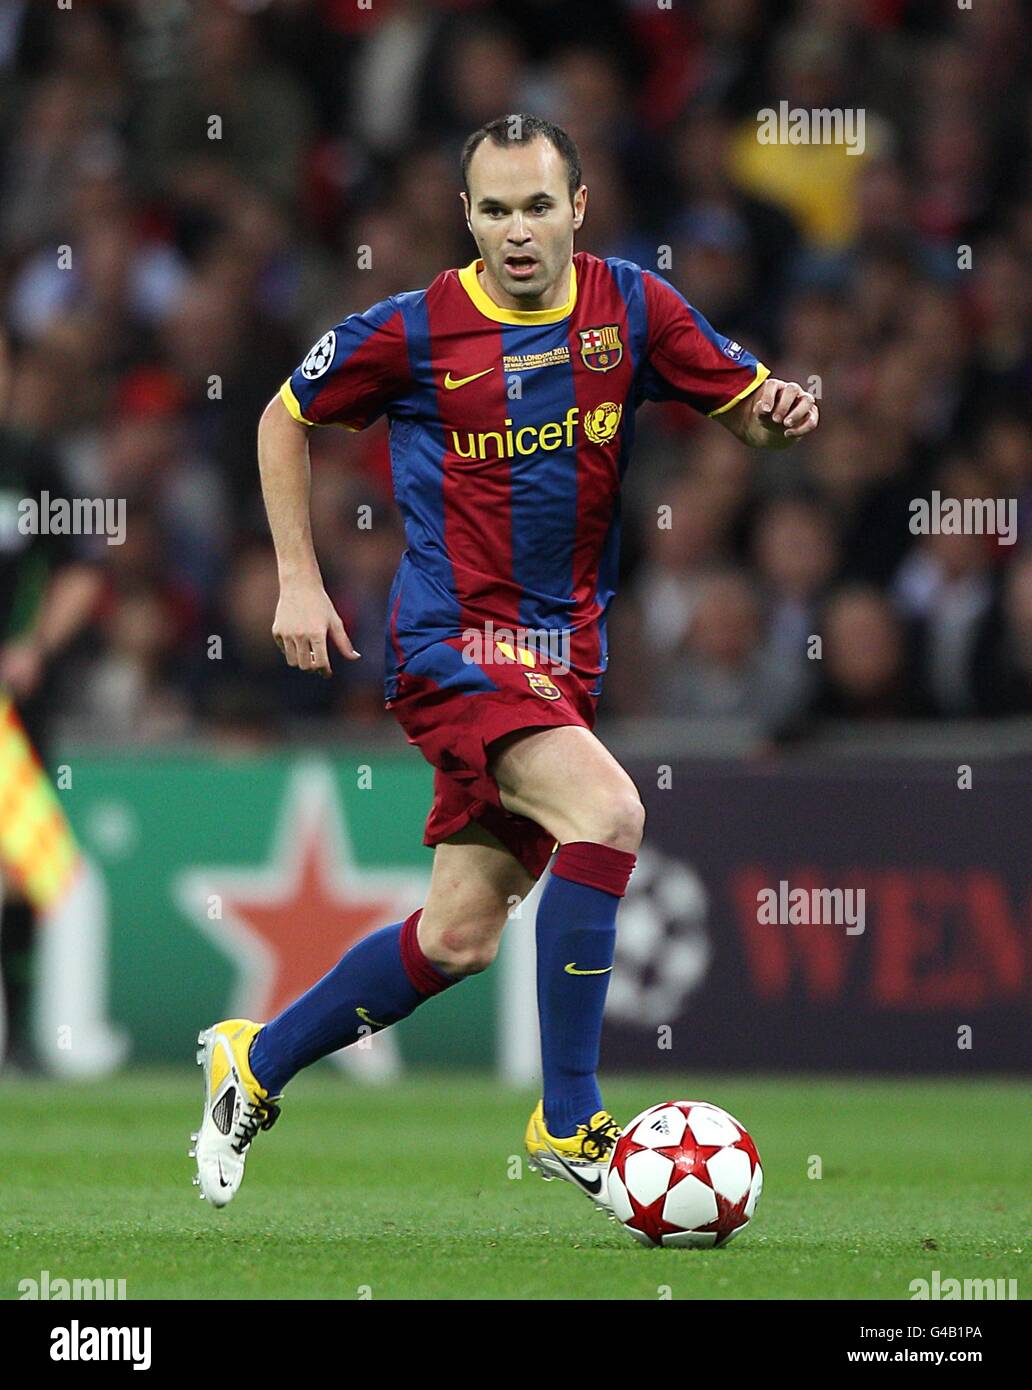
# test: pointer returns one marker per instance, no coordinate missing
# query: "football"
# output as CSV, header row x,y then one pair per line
x,y
685,1172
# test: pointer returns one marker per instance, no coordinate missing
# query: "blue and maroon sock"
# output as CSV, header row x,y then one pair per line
x,y
576,941
380,981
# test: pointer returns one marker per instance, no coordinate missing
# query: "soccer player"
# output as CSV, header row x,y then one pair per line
x,y
510,387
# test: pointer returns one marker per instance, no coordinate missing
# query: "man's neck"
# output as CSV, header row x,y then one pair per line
x,y
556,294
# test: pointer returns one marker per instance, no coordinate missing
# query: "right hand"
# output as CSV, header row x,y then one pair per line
x,y
21,668
305,620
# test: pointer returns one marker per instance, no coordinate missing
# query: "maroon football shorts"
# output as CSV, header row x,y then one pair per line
x,y
453,710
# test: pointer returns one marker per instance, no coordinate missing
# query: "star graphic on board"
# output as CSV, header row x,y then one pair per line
x,y
288,922
308,926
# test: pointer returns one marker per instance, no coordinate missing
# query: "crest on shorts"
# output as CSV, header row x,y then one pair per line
x,y
600,348
543,685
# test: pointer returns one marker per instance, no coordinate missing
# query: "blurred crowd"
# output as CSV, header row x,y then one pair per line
x,y
217,168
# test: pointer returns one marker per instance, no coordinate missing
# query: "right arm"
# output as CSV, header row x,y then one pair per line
x,y
349,378
305,613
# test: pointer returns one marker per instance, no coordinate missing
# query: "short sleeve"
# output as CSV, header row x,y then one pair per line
x,y
688,360
354,372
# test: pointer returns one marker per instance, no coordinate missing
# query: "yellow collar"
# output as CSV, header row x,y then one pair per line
x,y
483,301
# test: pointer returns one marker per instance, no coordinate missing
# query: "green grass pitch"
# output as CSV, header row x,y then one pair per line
x,y
408,1191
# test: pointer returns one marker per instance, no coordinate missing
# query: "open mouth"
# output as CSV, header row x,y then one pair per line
x,y
520,266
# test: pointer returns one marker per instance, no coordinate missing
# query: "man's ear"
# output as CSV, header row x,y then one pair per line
x,y
465,208
582,198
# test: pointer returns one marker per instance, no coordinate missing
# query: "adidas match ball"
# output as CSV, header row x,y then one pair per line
x,y
685,1172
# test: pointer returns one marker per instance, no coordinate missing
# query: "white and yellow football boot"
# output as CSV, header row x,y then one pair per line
x,y
582,1158
235,1109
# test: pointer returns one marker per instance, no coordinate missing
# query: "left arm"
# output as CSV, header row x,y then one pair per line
x,y
773,416
688,360
67,605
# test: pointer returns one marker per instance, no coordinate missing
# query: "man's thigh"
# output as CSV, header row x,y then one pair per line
x,y
567,781
474,883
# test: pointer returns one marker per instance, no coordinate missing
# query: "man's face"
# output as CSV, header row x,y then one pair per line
x,y
521,218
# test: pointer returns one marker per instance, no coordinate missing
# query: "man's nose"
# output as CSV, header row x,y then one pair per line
x,y
517,231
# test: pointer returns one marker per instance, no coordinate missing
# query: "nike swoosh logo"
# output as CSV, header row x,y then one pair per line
x,y
453,383
590,1185
571,970
222,1180
364,1016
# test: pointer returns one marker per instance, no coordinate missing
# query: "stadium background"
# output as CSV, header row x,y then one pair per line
x,y
239,825
205,261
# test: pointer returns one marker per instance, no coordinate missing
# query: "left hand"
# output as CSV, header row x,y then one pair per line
x,y
783,411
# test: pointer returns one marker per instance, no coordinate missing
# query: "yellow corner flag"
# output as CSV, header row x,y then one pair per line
x,y
37,847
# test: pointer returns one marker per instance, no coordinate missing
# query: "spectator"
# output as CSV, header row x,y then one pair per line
x,y
863,663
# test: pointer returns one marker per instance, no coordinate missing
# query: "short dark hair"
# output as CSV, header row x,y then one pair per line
x,y
520,129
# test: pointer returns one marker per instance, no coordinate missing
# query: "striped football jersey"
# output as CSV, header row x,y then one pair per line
x,y
510,432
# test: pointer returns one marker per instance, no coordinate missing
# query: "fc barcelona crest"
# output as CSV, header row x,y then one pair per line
x,y
600,348
543,685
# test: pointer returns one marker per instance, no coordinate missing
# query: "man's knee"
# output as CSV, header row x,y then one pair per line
x,y
619,821
627,824
461,948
